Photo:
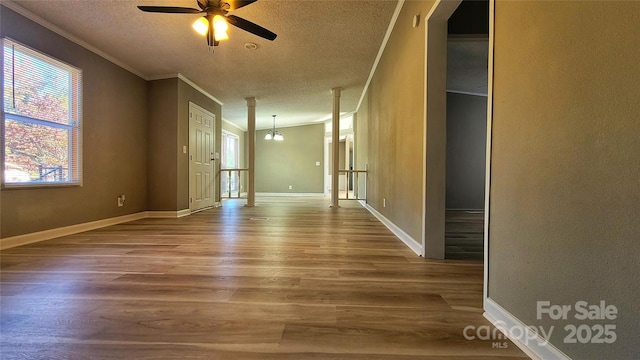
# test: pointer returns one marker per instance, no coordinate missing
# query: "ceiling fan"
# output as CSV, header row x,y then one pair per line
x,y
213,24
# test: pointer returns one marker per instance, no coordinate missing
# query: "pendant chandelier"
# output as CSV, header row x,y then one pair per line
x,y
274,134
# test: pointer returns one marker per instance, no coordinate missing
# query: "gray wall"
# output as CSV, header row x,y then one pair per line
x,y
162,157
565,193
466,146
114,141
133,133
292,161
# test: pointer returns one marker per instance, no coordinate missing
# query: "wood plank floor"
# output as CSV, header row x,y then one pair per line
x,y
288,279
464,235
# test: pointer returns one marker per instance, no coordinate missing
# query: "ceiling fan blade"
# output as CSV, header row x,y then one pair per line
x,y
237,4
251,27
203,4
170,10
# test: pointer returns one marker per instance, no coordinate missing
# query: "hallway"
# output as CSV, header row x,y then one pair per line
x,y
464,235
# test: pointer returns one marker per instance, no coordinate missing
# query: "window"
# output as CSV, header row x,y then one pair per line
x,y
230,160
41,117
230,151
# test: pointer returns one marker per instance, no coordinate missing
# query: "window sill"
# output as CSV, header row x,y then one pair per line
x,y
41,185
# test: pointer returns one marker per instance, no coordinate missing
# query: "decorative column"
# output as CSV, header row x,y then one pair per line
x,y
335,144
251,131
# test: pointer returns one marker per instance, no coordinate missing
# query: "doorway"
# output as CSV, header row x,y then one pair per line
x,y
230,183
346,157
466,127
201,158
435,145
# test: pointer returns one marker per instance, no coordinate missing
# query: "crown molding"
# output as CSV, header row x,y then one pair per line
x,y
42,22
392,25
195,86
188,81
234,125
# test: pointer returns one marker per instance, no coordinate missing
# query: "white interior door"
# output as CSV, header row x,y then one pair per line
x,y
201,158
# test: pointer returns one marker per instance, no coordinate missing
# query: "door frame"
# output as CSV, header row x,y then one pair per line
x,y
193,106
435,119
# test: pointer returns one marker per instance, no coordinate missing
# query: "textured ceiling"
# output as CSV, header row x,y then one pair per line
x,y
320,45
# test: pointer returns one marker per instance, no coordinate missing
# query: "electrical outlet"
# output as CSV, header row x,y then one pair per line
x,y
290,187
384,202
121,199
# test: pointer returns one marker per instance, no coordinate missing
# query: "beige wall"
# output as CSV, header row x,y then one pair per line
x,y
114,141
391,119
565,194
292,161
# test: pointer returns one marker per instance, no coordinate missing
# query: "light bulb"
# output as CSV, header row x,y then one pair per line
x,y
221,35
220,27
278,137
268,136
201,26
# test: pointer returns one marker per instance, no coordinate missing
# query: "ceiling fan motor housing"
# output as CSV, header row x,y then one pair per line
x,y
212,8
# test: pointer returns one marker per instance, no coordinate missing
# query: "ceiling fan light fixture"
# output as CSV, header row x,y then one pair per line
x,y
278,137
268,136
215,23
201,26
221,36
220,27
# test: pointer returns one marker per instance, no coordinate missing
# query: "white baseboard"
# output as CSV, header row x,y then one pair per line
x,y
30,238
528,341
66,230
290,194
168,214
408,240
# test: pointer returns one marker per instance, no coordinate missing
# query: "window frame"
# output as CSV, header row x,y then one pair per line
x,y
229,134
235,183
74,127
